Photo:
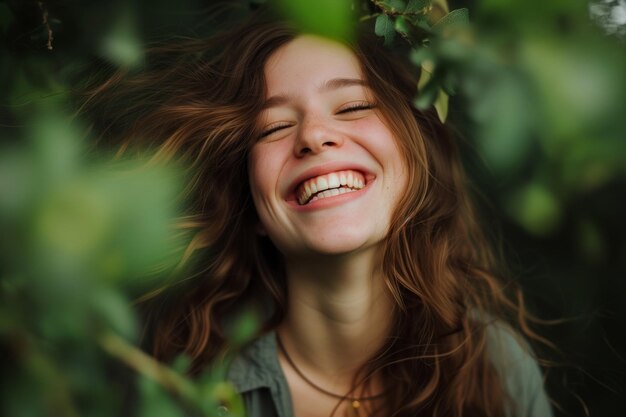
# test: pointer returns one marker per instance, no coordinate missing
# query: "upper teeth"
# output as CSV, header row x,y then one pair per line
x,y
329,184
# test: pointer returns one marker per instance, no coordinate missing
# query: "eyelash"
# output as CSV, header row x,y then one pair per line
x,y
348,109
275,129
364,105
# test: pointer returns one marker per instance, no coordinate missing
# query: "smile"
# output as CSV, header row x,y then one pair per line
x,y
329,185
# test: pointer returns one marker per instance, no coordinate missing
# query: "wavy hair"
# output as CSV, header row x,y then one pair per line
x,y
197,102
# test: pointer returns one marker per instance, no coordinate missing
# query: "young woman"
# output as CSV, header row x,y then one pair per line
x,y
321,197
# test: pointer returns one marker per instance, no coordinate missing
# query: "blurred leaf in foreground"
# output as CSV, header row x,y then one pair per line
x,y
329,18
122,45
80,235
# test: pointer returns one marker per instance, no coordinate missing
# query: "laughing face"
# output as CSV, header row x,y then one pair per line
x,y
326,171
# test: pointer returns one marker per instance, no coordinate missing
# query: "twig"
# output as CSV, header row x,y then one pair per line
x,y
46,23
147,366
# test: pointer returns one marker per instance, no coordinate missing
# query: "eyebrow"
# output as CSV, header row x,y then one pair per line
x,y
329,85
336,83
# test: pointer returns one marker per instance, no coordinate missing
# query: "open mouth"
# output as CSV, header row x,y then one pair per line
x,y
329,185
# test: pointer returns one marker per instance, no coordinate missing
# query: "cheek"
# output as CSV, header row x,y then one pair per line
x,y
257,175
382,143
385,147
264,172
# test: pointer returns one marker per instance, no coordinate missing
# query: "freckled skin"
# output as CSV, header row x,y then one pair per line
x,y
313,126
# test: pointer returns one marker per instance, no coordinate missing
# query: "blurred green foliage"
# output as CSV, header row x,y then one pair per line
x,y
82,236
329,18
539,95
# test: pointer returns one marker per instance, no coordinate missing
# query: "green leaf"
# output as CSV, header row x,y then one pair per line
x,y
458,17
116,312
441,105
393,6
155,401
420,55
426,96
329,18
56,144
417,6
182,364
449,83
421,23
226,393
385,28
73,222
426,73
402,25
440,6
18,185
244,327
122,45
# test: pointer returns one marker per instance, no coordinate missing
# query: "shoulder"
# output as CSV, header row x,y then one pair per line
x,y
255,366
258,378
517,367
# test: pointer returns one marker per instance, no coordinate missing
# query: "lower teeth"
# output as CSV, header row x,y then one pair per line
x,y
330,193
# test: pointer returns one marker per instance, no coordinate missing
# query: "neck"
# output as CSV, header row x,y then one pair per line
x,y
338,315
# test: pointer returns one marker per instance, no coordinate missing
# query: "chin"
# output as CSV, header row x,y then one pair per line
x,y
339,245
328,239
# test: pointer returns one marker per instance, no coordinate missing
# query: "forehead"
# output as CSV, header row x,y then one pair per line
x,y
309,61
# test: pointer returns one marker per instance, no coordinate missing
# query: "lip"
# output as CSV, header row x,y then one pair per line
x,y
323,169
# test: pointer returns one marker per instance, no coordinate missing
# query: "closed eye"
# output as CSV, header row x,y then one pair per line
x,y
355,107
274,128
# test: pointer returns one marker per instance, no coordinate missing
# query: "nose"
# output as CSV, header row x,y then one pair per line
x,y
316,136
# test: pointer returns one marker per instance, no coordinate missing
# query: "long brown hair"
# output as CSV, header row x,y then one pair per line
x,y
197,102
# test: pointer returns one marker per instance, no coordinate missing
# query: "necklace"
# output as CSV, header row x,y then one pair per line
x,y
355,402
